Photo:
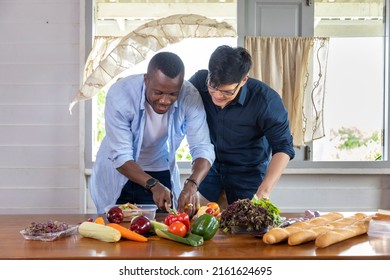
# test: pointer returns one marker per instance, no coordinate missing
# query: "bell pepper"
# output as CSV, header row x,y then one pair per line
x,y
177,216
206,226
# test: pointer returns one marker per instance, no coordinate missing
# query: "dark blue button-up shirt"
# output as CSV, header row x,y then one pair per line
x,y
250,129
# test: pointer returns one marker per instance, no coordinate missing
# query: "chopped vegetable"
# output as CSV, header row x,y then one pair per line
x,y
49,227
127,206
244,214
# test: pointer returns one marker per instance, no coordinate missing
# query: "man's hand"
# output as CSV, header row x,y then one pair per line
x,y
188,199
162,196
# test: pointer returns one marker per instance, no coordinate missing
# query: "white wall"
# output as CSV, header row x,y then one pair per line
x,y
39,74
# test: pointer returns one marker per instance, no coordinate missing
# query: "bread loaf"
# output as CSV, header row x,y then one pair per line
x,y
277,235
307,235
381,217
340,234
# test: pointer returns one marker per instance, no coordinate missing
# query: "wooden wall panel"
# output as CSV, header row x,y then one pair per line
x,y
38,94
39,156
40,143
39,73
40,135
38,53
40,200
45,177
40,11
48,114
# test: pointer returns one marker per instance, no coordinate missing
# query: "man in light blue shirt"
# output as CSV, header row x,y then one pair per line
x,y
146,117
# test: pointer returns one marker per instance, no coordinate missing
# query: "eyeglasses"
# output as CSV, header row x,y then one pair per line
x,y
224,92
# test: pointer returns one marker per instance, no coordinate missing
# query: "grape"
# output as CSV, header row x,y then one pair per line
x,y
36,229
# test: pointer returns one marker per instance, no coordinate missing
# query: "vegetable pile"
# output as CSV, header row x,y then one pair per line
x,y
36,229
250,215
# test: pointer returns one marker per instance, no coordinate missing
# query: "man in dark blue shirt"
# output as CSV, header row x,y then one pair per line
x,y
248,125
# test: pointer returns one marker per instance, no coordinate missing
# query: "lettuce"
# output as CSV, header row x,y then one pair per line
x,y
273,210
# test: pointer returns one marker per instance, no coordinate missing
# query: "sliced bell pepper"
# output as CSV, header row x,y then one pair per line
x,y
206,225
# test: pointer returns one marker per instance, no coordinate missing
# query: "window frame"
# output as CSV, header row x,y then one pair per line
x,y
88,163
295,166
357,167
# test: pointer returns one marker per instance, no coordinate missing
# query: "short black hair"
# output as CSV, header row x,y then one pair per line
x,y
228,65
168,63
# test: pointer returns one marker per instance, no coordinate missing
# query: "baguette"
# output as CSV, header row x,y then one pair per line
x,y
381,217
277,235
340,234
307,235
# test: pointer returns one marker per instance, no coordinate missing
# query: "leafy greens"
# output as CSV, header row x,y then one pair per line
x,y
250,215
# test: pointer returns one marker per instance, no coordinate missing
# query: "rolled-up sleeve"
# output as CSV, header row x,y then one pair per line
x,y
277,128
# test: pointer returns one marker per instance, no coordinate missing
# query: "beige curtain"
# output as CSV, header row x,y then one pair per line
x,y
296,68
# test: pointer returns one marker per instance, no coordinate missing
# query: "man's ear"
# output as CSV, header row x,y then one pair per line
x,y
244,80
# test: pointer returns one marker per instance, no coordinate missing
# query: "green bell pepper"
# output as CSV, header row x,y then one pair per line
x,y
206,225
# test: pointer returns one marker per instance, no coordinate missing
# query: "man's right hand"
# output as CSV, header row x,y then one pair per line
x,y
162,196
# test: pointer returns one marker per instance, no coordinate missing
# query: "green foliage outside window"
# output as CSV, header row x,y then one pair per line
x,y
100,128
182,154
352,140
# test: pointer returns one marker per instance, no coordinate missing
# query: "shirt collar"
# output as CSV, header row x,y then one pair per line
x,y
240,99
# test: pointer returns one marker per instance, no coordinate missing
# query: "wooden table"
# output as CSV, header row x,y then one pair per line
x,y
222,246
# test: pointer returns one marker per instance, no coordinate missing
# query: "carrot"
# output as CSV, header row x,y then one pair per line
x,y
127,233
99,220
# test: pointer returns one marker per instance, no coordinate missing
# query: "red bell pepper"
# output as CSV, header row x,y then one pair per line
x,y
177,216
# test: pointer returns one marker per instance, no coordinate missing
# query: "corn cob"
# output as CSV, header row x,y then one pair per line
x,y
99,232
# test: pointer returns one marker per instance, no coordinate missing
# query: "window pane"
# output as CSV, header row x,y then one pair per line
x,y
354,100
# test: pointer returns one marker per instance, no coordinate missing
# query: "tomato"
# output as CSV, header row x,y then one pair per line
x,y
215,207
178,228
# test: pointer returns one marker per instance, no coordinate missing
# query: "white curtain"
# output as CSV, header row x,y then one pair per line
x,y
296,68
112,56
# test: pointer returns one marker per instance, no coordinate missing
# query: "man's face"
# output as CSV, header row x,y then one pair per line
x,y
162,91
224,94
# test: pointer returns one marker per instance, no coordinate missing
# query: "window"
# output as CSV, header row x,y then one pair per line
x,y
117,19
357,129
354,100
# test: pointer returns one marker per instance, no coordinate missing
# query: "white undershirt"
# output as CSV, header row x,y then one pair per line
x,y
154,149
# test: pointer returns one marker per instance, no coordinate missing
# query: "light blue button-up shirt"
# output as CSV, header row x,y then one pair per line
x,y
125,122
